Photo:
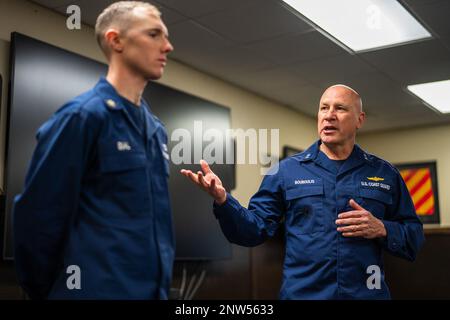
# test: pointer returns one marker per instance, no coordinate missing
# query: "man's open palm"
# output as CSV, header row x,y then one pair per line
x,y
208,181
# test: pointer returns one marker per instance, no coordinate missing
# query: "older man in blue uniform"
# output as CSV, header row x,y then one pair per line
x,y
342,207
94,219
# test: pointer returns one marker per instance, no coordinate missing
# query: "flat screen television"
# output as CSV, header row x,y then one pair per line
x,y
44,77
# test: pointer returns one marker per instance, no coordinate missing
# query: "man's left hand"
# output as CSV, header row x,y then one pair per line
x,y
360,223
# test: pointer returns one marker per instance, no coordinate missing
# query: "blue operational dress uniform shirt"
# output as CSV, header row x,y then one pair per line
x,y
309,191
96,197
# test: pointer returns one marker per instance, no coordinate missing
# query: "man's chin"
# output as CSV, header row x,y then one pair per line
x,y
154,77
329,140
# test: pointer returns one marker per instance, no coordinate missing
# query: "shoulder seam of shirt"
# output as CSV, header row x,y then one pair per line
x,y
79,107
387,163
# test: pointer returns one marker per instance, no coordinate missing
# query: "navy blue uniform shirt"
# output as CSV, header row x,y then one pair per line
x,y
309,191
96,197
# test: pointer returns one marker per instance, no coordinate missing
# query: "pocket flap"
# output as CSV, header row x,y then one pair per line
x,y
304,191
379,195
122,162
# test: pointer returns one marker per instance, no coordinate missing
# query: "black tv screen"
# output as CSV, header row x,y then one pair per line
x,y
44,77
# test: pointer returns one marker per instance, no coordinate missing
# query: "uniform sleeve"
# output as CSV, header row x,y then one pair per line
x,y
42,213
252,226
404,229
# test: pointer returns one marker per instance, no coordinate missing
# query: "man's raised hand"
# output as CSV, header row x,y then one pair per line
x,y
208,181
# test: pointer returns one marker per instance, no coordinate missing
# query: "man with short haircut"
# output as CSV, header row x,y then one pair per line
x,y
94,219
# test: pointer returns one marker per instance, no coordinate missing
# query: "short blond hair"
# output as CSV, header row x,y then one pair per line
x,y
119,15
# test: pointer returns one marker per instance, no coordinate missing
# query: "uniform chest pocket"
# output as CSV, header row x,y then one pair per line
x,y
305,209
122,162
124,182
375,201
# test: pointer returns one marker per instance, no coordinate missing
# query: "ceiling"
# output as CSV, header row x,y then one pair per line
x,y
265,48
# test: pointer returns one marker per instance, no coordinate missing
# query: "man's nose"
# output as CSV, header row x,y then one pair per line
x,y
167,46
330,114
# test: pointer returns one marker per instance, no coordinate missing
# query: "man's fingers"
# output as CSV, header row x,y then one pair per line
x,y
212,185
353,228
202,180
189,174
350,221
350,214
185,172
205,167
355,205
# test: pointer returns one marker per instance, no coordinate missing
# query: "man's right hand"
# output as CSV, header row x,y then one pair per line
x,y
208,181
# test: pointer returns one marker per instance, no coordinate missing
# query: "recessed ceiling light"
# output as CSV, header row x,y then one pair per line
x,y
362,25
436,94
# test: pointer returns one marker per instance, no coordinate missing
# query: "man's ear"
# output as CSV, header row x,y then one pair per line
x,y
113,40
361,119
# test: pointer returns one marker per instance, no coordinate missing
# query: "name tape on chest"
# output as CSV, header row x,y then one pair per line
x,y
305,181
123,146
